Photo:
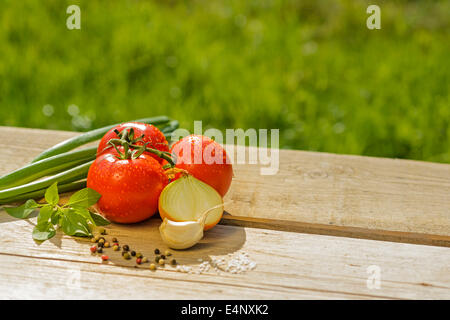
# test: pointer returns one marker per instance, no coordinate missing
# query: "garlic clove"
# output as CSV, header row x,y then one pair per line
x,y
181,235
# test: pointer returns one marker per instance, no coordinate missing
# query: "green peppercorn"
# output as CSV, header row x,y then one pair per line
x,y
93,240
157,259
102,231
156,251
126,247
139,255
115,248
101,240
173,262
126,255
152,266
168,253
161,262
144,259
97,237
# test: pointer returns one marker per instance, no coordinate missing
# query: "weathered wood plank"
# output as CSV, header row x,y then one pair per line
x,y
290,265
353,196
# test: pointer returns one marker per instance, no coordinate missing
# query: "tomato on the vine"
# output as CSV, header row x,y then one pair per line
x,y
129,188
206,160
151,135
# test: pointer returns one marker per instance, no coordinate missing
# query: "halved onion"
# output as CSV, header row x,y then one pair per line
x,y
189,199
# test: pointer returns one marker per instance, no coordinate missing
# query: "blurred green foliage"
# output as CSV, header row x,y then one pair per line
x,y
310,68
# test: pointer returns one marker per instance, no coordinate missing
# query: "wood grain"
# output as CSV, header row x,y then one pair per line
x,y
319,193
290,265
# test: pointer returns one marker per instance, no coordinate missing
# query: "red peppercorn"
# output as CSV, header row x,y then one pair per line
x,y
93,249
138,260
105,257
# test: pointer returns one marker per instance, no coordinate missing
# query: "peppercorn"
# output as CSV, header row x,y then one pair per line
x,y
138,255
102,231
105,257
126,247
173,262
115,248
93,240
126,255
101,240
100,244
99,250
167,253
163,256
114,240
106,244
138,260
133,253
152,266
157,259
156,251
93,249
97,237
144,259
161,262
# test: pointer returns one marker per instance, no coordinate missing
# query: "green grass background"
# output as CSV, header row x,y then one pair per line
x,y
310,68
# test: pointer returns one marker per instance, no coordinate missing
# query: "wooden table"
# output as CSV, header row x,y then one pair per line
x,y
324,227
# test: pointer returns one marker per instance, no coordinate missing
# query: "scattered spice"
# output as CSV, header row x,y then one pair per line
x,y
133,253
106,245
144,259
173,262
127,256
105,257
114,240
138,260
163,256
99,250
161,262
102,231
152,266
157,259
126,247
157,251
168,253
93,249
116,248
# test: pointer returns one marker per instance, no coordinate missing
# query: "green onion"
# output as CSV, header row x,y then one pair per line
x,y
171,127
70,175
40,193
90,136
46,167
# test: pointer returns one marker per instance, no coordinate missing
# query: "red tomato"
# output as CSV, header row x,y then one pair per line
x,y
152,134
129,188
206,160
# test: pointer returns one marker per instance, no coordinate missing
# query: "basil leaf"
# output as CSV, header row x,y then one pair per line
x,y
22,211
43,232
51,194
45,214
99,221
84,198
74,224
84,213
56,214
